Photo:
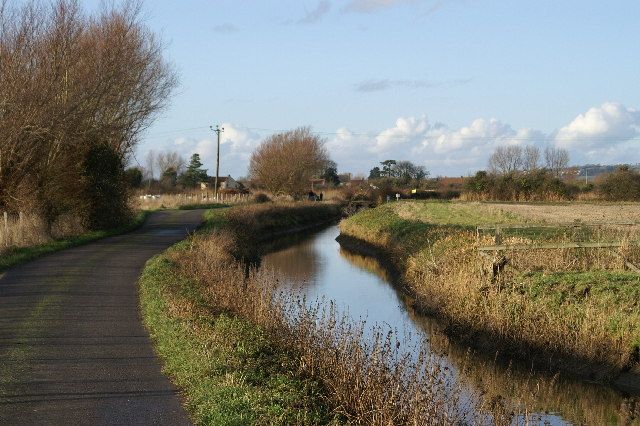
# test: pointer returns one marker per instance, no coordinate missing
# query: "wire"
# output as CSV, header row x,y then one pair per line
x,y
434,136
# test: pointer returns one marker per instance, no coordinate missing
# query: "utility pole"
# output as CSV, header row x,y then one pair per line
x,y
218,130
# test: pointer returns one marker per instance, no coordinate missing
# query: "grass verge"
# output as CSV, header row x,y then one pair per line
x,y
15,256
584,321
228,369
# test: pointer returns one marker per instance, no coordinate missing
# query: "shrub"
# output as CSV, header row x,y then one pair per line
x,y
622,185
261,197
519,186
105,188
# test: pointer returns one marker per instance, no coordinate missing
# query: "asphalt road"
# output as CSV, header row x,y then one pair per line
x,y
73,349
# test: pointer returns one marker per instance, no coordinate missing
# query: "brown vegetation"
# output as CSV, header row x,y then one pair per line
x,y
554,302
364,383
286,162
73,85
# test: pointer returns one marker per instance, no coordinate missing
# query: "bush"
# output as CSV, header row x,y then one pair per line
x,y
621,185
536,185
106,194
261,198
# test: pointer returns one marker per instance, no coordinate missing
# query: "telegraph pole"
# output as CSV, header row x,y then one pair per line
x,y
218,130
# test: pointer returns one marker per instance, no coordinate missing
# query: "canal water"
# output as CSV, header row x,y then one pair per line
x,y
317,266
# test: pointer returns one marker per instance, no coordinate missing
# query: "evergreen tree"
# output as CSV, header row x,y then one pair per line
x,y
194,173
330,173
375,173
388,168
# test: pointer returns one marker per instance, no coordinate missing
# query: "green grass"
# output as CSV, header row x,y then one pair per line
x,y
227,368
202,206
15,256
215,217
616,292
451,213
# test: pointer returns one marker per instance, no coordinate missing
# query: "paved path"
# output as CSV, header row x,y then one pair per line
x,y
73,349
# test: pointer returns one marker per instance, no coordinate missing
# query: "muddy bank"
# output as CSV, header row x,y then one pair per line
x,y
526,355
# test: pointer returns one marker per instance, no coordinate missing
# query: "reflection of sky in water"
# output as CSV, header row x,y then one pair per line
x,y
359,286
317,268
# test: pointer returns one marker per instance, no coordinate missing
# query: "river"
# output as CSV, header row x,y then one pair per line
x,y
316,265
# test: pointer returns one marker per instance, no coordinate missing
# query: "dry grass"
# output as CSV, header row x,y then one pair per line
x,y
368,380
173,201
366,383
31,230
590,315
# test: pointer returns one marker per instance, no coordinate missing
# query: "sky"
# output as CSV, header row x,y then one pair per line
x,y
438,82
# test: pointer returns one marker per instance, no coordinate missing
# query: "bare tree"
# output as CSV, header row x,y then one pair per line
x,y
69,82
150,165
506,159
286,162
170,160
531,158
556,159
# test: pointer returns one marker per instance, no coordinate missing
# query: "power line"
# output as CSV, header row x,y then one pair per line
x,y
375,134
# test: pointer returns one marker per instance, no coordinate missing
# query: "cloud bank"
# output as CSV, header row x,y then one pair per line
x,y
609,133
606,134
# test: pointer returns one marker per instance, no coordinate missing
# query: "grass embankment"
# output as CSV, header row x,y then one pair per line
x,y
17,255
573,315
244,353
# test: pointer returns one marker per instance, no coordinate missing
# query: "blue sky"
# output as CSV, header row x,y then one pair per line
x,y
437,82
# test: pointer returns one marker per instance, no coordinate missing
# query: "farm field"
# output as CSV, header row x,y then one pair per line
x,y
552,305
475,213
562,213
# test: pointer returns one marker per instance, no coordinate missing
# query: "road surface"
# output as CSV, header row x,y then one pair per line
x,y
73,349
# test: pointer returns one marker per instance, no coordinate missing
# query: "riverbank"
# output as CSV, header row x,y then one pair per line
x,y
243,352
583,322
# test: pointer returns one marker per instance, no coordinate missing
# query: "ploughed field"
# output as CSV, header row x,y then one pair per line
x,y
561,290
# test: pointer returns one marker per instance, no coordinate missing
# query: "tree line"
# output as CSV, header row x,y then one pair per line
x,y
167,171
522,173
76,92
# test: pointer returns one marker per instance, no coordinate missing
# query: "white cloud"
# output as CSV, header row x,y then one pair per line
x,y
600,128
236,145
406,131
444,151
606,134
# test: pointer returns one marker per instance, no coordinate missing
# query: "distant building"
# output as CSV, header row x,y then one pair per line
x,y
317,183
357,182
344,178
229,183
224,182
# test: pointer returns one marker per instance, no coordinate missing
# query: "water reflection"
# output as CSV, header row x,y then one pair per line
x,y
317,266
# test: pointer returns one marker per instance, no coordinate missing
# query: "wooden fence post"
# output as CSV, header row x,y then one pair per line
x,y
6,229
21,226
